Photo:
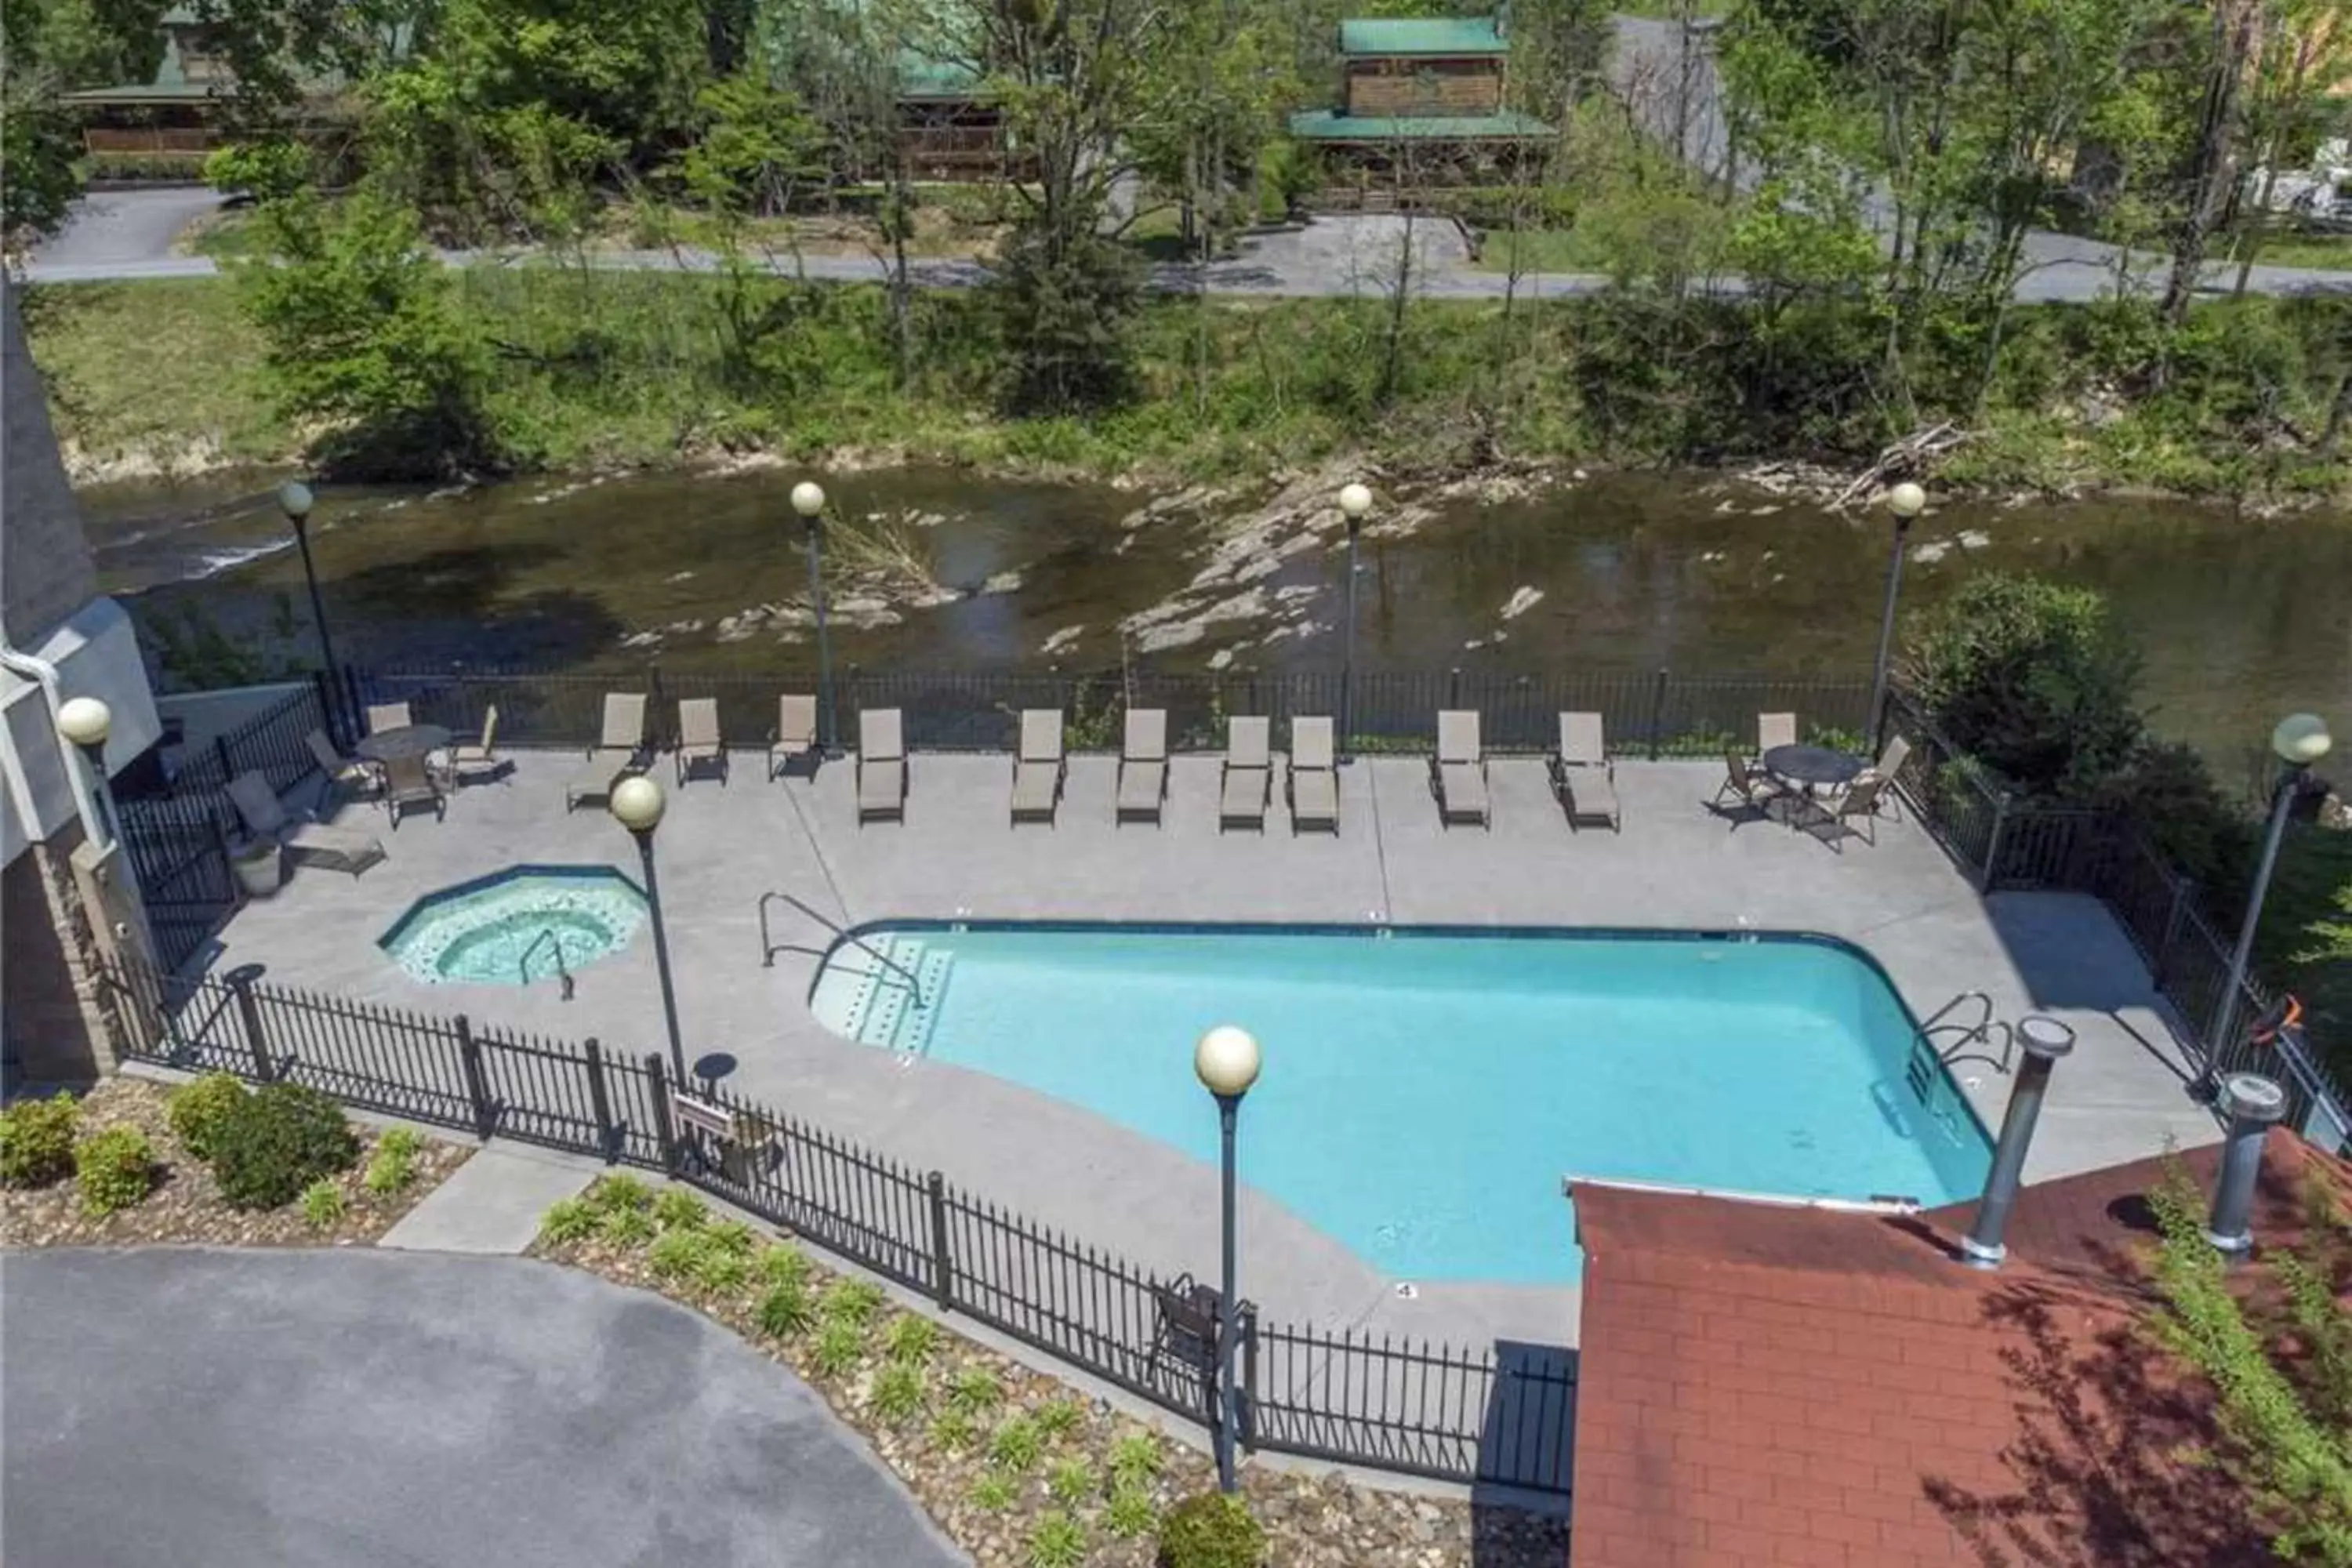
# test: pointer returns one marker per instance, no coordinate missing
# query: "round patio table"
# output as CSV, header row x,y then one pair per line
x,y
409,740
1811,766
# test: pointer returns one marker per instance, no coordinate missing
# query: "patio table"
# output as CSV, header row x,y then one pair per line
x,y
1811,766
409,740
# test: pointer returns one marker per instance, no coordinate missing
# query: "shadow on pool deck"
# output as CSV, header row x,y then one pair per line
x,y
1674,865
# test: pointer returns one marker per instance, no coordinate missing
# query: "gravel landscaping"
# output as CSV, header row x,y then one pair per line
x,y
185,1203
1018,1468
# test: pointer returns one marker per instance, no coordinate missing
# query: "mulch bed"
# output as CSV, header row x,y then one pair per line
x,y
996,1511
185,1206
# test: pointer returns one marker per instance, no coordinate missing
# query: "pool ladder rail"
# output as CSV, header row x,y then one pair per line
x,y
555,945
1946,1040
769,948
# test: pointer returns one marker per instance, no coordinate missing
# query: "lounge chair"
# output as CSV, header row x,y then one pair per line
x,y
1457,774
350,777
1246,780
1314,778
795,732
1038,767
881,765
310,842
408,782
619,750
476,757
1143,767
382,716
1581,773
1746,787
697,738
1775,730
1859,800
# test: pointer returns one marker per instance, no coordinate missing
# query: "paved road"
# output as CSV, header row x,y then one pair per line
x,y
128,229
253,1408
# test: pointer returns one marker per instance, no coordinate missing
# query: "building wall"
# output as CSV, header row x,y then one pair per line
x,y
45,567
1422,88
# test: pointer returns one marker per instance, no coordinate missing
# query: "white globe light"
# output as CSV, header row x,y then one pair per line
x,y
2301,739
294,499
1355,500
85,720
1907,501
808,498
1226,1060
638,802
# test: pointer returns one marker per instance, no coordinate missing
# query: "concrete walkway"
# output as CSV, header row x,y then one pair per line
x,y
253,1409
493,1203
1676,865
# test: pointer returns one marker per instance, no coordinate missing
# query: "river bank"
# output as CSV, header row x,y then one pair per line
x,y
600,375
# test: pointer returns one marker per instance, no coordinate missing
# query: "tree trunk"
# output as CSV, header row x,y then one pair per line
x,y
2235,25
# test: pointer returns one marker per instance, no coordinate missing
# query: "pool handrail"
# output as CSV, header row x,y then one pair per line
x,y
555,944
768,950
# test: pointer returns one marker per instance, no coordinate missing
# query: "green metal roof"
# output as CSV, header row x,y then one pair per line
x,y
923,75
1322,125
1421,36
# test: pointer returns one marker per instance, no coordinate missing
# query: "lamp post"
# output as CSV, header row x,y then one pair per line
x,y
637,806
295,499
84,722
1226,1062
808,499
2300,739
1905,502
1355,501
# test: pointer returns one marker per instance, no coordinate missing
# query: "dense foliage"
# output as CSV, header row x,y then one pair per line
x,y
196,1110
276,1141
1210,1529
36,1141
2277,1350
114,1169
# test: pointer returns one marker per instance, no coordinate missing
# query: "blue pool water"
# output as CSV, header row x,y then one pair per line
x,y
1423,1093
511,928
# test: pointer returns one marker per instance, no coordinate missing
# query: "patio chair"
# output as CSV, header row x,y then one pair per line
x,y
408,782
310,842
795,732
1313,782
347,777
1457,774
1746,787
881,765
1245,780
619,750
697,738
1775,730
1581,773
471,758
1885,770
382,716
1185,1324
1143,767
1860,800
1038,767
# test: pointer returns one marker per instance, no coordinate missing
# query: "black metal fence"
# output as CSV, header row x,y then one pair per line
x,y
2008,845
1655,713
1503,1416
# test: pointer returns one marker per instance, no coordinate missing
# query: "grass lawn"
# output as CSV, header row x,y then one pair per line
x,y
161,365
1547,250
2332,252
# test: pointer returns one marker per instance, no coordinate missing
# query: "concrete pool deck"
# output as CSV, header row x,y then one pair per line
x,y
1676,864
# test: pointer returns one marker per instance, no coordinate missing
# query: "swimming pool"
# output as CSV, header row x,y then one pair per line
x,y
1424,1091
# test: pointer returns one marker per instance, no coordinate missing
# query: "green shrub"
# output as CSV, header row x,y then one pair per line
x,y
725,1262
1071,1481
612,1193
953,1429
782,1264
852,1301
992,1494
36,1141
114,1168
196,1110
975,1392
840,1345
678,1209
677,1256
393,1167
1017,1446
910,1340
898,1392
322,1204
627,1227
568,1219
1059,1418
1135,1461
785,1309
1210,1530
276,1141
1129,1513
1058,1541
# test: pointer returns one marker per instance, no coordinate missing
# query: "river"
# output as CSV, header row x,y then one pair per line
x,y
2241,617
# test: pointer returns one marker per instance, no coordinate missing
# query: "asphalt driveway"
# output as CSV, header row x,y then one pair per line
x,y
252,1408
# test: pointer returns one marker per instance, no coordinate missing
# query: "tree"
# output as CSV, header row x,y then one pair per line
x,y
46,47
2236,25
361,338
2278,1353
